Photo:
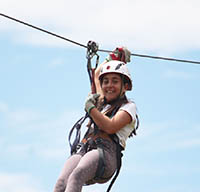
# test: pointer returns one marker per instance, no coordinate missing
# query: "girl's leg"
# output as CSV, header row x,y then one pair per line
x,y
84,171
69,166
86,168
79,169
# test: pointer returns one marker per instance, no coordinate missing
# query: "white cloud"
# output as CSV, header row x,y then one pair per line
x,y
187,143
162,150
22,116
3,107
153,26
42,135
49,147
15,182
95,188
53,153
183,75
28,119
20,182
167,136
45,150
56,63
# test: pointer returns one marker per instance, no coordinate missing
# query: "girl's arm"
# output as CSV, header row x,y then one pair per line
x,y
112,125
96,79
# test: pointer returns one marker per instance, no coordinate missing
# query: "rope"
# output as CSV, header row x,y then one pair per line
x,y
101,50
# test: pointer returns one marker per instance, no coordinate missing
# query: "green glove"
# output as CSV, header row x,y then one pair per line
x,y
91,101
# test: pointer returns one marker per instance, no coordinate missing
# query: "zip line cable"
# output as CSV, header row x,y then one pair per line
x,y
156,57
101,50
45,31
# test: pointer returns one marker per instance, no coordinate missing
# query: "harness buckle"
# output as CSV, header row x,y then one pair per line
x,y
98,141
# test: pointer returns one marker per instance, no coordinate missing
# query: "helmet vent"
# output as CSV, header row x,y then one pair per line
x,y
108,67
118,66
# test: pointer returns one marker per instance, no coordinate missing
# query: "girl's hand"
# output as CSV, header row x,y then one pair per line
x,y
90,102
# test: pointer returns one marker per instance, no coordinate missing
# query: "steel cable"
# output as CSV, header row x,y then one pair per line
x,y
101,50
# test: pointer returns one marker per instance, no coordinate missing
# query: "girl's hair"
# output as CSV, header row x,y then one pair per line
x,y
115,105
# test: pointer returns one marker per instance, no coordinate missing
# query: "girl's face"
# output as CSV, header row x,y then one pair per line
x,y
112,86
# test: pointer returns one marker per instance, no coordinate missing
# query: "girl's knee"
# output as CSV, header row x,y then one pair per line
x,y
77,173
79,176
60,186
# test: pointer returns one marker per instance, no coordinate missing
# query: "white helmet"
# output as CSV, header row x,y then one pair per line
x,y
119,67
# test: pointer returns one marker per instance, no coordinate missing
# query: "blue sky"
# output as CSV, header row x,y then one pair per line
x,y
44,84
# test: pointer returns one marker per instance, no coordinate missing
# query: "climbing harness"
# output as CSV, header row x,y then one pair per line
x,y
119,149
95,142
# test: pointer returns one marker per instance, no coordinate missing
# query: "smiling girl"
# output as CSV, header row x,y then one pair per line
x,y
113,120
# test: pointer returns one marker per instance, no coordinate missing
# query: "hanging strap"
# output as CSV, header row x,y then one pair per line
x,y
101,164
77,127
119,160
92,49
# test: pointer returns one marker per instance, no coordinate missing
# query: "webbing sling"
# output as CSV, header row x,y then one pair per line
x,y
92,49
101,164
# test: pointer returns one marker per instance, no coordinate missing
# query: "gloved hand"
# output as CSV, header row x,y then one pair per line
x,y
120,54
91,102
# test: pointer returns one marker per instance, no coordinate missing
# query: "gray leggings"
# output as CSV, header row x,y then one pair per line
x,y
81,167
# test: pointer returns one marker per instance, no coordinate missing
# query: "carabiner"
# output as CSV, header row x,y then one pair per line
x,y
92,48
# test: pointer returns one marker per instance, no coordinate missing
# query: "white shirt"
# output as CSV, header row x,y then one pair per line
x,y
124,132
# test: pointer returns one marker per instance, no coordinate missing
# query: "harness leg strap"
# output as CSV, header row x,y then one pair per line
x,y
119,163
101,165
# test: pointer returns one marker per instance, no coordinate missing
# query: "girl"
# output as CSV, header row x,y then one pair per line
x,y
113,119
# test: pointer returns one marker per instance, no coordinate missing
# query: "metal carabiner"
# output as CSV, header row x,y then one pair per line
x,y
92,48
